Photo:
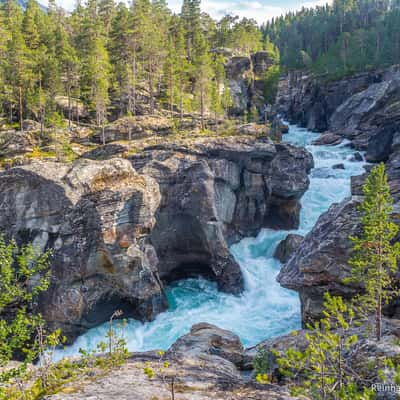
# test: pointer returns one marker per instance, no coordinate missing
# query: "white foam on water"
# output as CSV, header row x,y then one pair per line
x,y
265,309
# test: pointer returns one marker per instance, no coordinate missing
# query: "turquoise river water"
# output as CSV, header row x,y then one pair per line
x,y
264,309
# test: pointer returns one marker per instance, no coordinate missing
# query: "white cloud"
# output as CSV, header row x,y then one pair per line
x,y
253,9
258,10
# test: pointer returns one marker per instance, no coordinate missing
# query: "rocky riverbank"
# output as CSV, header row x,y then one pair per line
x,y
207,363
121,228
364,109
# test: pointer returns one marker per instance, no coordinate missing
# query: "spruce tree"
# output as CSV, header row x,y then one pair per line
x,y
68,64
374,260
322,371
18,70
203,75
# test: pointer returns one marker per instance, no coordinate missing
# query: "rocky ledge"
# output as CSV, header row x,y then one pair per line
x,y
364,109
204,364
120,229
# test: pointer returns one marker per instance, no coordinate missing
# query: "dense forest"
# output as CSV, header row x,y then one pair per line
x,y
337,39
116,60
113,60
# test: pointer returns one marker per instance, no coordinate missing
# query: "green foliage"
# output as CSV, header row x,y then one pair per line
x,y
262,367
374,260
113,350
338,38
161,369
24,274
114,57
322,370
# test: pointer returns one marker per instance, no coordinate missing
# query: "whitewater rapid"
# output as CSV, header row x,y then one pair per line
x,y
265,309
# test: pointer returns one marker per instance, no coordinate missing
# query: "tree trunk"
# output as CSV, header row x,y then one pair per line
x,y
134,73
378,319
41,108
173,389
202,105
77,112
151,88
171,95
11,113
20,108
69,107
181,99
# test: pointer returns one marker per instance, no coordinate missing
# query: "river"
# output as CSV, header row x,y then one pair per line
x,y
265,309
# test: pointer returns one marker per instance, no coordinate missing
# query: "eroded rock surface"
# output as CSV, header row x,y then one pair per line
x,y
246,91
365,110
119,233
321,261
202,363
96,217
287,247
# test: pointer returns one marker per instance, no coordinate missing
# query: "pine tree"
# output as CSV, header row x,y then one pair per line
x,y
203,74
322,370
18,70
374,261
68,66
100,68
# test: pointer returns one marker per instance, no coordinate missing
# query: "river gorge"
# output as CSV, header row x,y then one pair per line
x,y
265,309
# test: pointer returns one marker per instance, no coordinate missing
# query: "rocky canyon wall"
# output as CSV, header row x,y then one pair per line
x,y
120,229
365,109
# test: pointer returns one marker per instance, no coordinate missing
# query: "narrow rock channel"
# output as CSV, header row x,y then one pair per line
x,y
265,309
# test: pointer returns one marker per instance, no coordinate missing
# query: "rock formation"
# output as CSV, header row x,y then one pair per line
x,y
287,247
205,364
118,232
246,91
356,107
365,110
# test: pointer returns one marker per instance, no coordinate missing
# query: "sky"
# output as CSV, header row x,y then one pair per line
x,y
260,10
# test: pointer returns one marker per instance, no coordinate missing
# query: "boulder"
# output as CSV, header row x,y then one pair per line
x,y
78,109
380,145
287,247
137,127
338,166
253,129
357,157
29,125
328,139
208,341
320,264
261,61
202,364
14,143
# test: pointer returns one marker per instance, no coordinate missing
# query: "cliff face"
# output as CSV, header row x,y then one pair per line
x,y
120,228
365,109
358,107
244,75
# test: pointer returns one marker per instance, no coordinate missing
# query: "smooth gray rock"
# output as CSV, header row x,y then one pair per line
x,y
287,247
95,216
119,234
328,139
